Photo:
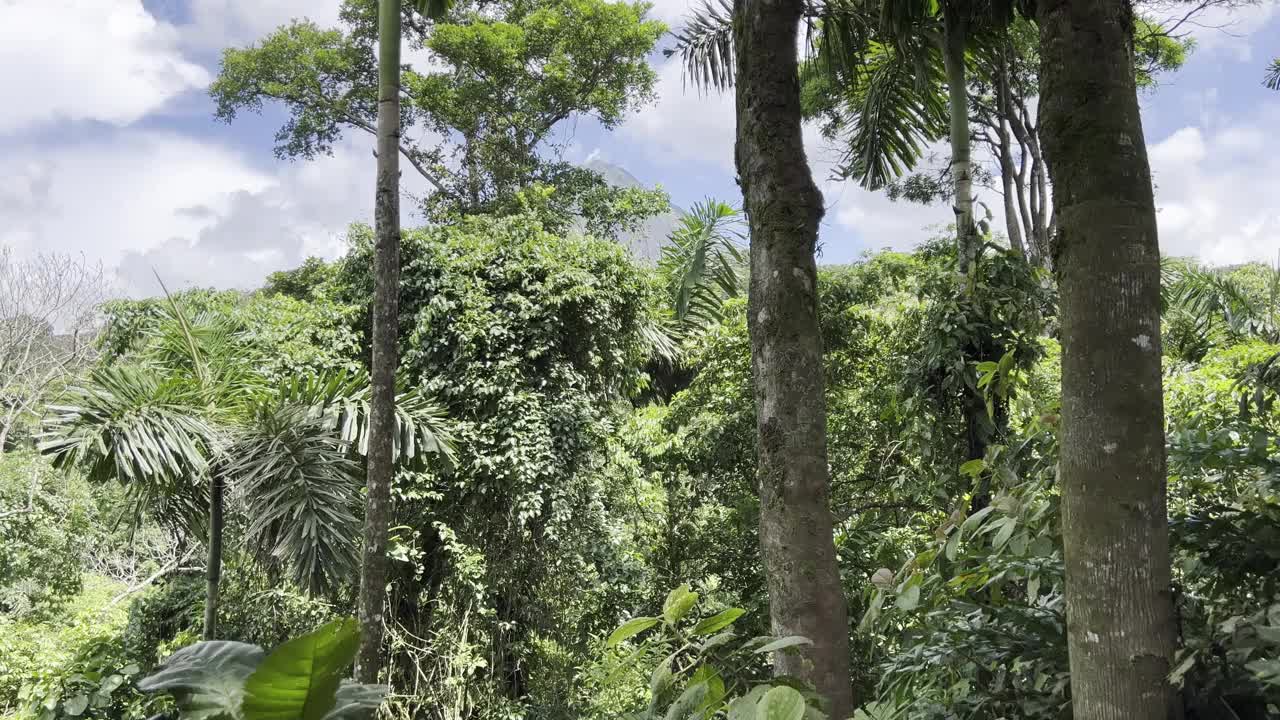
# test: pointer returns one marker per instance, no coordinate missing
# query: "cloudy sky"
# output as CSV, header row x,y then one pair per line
x,y
108,147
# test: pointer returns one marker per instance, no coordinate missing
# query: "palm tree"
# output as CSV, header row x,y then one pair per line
x,y
703,265
191,416
784,208
1122,629
385,337
1273,75
901,66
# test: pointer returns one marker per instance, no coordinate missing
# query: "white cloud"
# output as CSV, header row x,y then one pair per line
x,y
104,60
685,125
193,212
1225,29
1216,190
217,24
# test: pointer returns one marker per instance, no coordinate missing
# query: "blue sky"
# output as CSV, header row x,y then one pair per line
x,y
108,147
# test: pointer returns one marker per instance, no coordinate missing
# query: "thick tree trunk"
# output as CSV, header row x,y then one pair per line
x,y
953,46
1120,619
783,209
213,567
386,321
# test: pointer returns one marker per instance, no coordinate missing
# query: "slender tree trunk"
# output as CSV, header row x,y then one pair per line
x,y
1008,172
381,470
213,569
784,208
953,47
1121,631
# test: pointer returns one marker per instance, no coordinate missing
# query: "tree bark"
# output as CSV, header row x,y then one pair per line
x,y
380,468
213,571
953,47
784,208
1121,632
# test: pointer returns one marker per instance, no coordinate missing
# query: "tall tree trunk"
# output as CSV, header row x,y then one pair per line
x,y
784,208
386,321
213,567
1121,632
955,38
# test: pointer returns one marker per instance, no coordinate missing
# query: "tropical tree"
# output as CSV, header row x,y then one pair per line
x,y
385,352
1121,629
480,121
192,414
784,208
1272,80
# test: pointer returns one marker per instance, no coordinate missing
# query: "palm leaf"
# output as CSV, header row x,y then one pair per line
x,y
301,490
434,9
705,45
892,111
1272,79
145,430
704,264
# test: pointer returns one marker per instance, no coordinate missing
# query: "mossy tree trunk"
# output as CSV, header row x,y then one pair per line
x,y
1120,619
783,209
381,470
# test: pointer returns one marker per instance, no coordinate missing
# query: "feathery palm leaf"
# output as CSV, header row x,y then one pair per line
x,y
704,264
341,401
434,9
1272,79
301,491
1208,293
705,45
129,424
893,110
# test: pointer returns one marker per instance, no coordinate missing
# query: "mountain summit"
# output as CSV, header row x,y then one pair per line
x,y
647,240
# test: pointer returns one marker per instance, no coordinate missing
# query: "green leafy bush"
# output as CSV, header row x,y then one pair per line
x,y
302,679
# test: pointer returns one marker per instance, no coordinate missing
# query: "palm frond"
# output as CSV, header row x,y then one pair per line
x,y
1272,79
705,45
894,110
132,425
301,489
341,401
704,264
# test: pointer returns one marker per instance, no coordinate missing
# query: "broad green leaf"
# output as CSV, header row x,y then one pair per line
x,y
76,705
717,622
687,703
1005,533
909,598
784,643
973,468
781,703
299,680
354,701
1176,675
953,544
873,611
975,519
630,629
744,708
207,678
678,604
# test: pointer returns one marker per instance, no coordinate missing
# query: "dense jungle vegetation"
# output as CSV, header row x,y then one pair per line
x,y
608,486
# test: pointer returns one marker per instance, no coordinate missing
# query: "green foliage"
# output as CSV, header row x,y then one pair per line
x,y
531,342
44,522
73,667
703,265
703,669
299,680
